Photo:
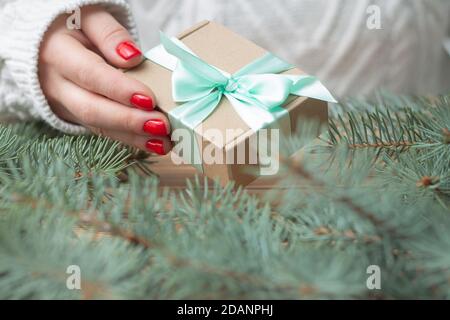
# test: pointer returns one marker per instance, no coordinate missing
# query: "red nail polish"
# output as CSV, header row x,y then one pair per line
x,y
142,102
156,146
156,127
127,50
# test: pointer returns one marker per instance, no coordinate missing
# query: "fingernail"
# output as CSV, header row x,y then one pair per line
x,y
156,127
142,102
156,146
127,50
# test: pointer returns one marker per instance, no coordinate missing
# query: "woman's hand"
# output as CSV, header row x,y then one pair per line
x,y
78,76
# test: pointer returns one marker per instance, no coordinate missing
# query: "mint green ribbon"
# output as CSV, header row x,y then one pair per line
x,y
256,92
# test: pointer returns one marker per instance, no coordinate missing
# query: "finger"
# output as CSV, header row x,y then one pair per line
x,y
51,84
89,71
153,144
96,111
110,37
59,28
80,37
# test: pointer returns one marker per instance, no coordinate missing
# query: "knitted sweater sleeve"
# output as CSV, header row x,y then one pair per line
x,y
23,24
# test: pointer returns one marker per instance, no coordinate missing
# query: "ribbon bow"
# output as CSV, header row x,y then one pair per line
x,y
256,92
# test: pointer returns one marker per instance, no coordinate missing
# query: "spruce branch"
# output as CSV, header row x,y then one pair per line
x,y
78,200
425,129
376,130
296,168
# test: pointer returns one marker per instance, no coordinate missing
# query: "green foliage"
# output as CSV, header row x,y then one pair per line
x,y
375,190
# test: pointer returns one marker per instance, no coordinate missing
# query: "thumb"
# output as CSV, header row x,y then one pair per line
x,y
110,37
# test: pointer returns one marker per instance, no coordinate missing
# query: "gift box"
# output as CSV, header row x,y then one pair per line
x,y
230,102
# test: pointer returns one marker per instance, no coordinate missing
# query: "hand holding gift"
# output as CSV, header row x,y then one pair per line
x,y
79,77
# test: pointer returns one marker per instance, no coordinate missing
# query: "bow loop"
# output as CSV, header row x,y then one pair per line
x,y
269,90
188,85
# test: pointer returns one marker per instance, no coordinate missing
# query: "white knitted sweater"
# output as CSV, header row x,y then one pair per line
x,y
327,38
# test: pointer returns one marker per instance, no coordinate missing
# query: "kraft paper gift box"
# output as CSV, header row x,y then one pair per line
x,y
229,52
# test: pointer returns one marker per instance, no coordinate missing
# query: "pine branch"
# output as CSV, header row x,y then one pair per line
x,y
77,200
425,129
297,168
376,130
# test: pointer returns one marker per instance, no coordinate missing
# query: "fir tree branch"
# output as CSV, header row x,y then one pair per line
x,y
311,242
90,220
296,168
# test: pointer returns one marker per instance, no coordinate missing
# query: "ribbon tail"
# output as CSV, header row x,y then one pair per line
x,y
251,112
194,112
260,119
188,116
311,87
